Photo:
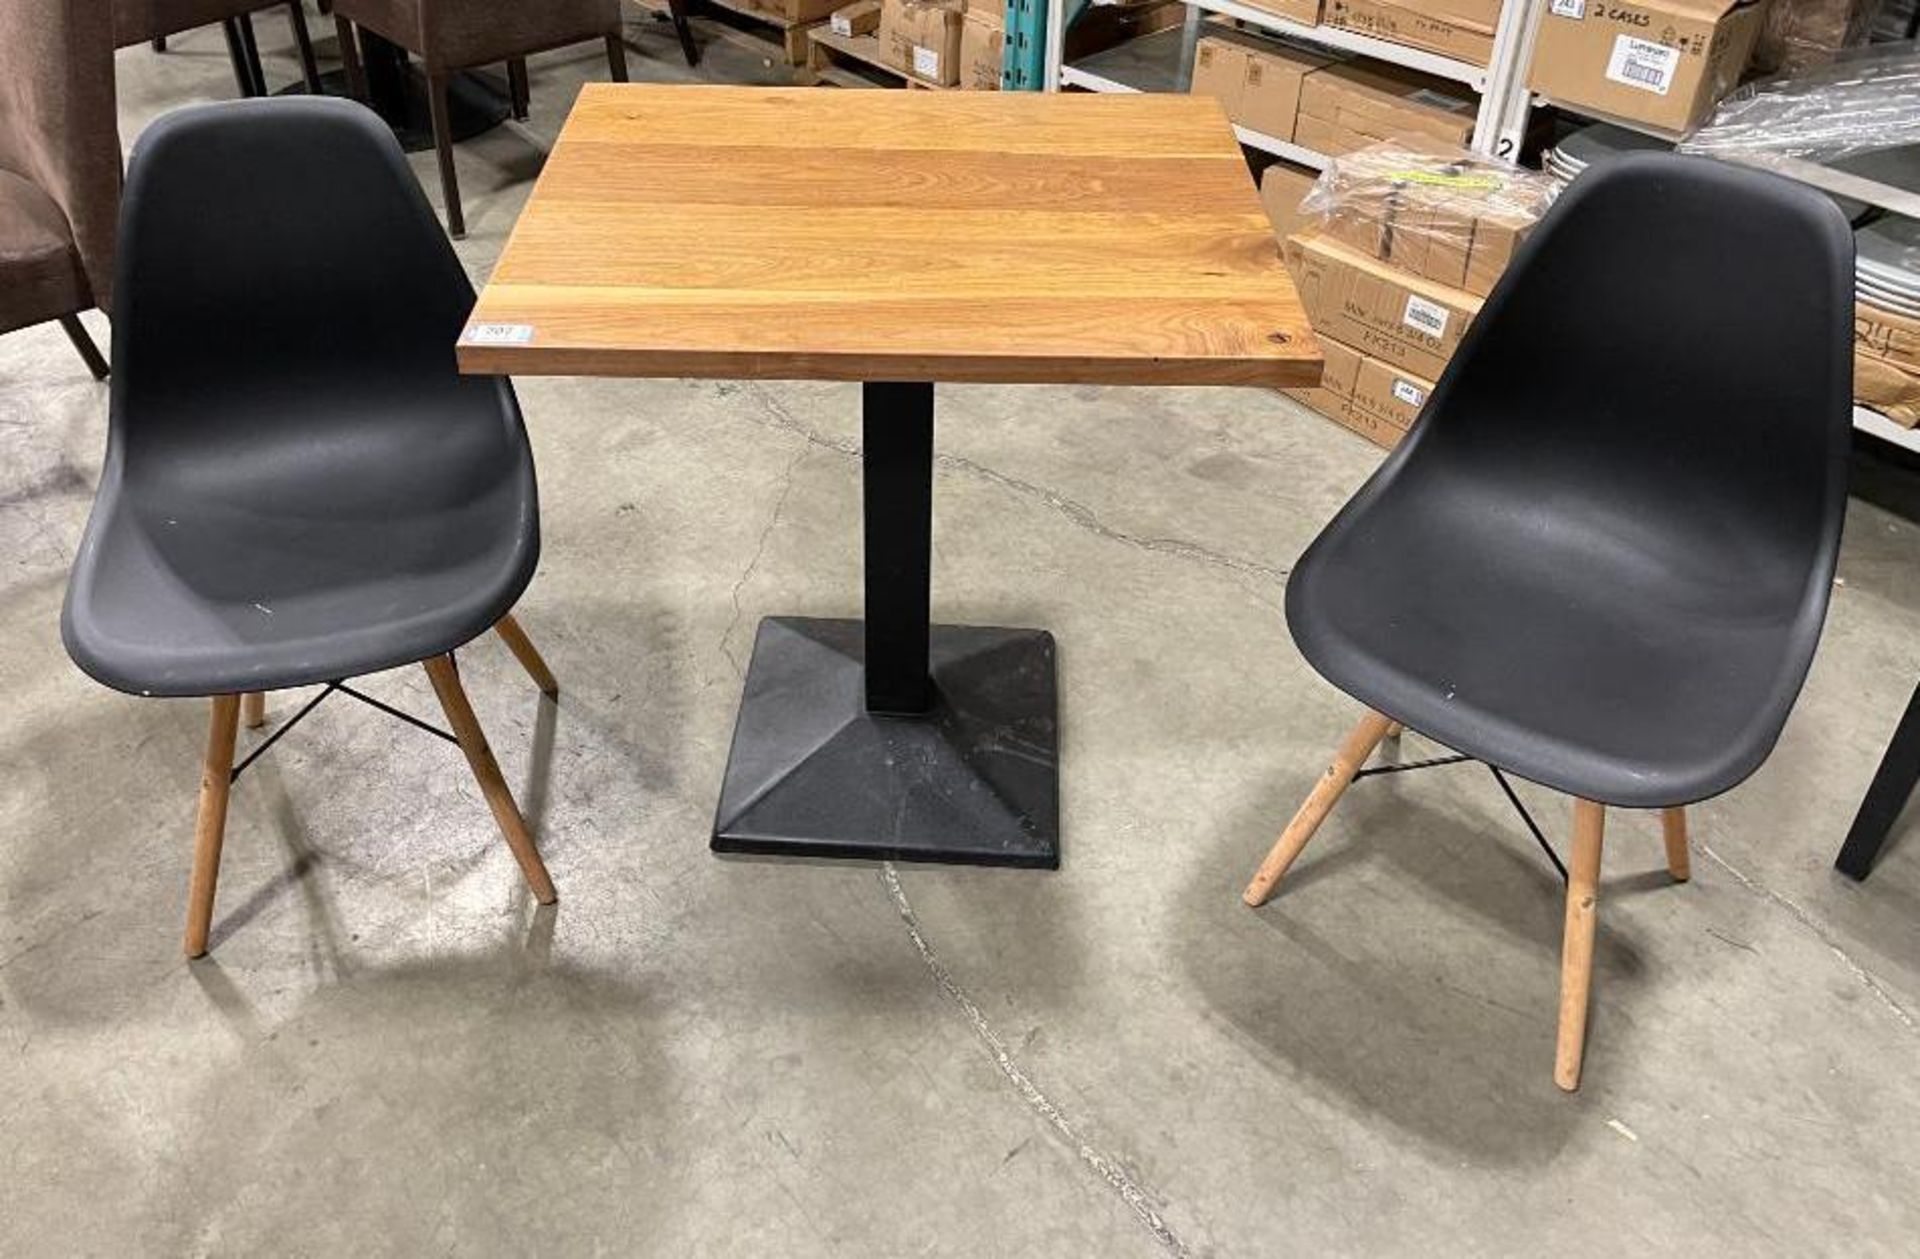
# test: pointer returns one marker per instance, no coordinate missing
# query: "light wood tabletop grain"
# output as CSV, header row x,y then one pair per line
x,y
809,233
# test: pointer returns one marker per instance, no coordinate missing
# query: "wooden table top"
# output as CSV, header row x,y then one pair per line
x,y
811,233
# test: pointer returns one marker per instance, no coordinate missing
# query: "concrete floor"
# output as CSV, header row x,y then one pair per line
x,y
391,1051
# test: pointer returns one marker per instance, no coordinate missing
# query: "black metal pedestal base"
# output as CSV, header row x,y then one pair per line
x,y
475,104
975,779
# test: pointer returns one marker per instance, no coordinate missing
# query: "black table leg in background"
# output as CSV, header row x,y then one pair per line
x,y
1887,795
397,91
892,738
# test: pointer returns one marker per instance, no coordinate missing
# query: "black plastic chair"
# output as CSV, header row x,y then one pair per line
x,y
299,487
1602,557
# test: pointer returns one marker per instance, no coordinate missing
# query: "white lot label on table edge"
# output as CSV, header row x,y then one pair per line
x,y
1643,64
498,334
1424,316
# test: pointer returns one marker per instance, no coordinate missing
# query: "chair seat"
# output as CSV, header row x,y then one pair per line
x,y
40,275
227,577
1565,647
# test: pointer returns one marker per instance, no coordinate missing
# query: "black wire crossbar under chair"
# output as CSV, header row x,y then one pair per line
x,y
1601,559
299,487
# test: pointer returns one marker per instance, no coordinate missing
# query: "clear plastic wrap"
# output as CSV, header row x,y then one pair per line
x,y
1869,98
1430,209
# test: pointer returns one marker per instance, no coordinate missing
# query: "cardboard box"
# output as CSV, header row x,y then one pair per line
x,y
1220,70
1410,22
921,38
1383,390
1355,104
1660,62
983,41
1270,96
1282,188
1305,12
1407,321
862,17
1882,334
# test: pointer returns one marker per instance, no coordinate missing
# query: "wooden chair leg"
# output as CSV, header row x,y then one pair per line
x,y
303,40
1576,947
210,830
443,146
350,58
253,709
677,10
77,333
518,92
616,59
486,770
527,654
1346,763
1673,828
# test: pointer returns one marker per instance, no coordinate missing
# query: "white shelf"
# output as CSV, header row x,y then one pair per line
x,y
1413,58
1279,148
1880,426
1074,76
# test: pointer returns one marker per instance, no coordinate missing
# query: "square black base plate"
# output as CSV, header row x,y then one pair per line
x,y
975,781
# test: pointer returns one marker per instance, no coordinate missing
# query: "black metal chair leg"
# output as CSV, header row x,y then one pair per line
x,y
677,9
159,43
77,333
1892,786
303,39
350,58
443,145
237,53
252,47
518,91
616,59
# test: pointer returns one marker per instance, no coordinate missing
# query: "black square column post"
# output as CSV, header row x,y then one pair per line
x,y
897,471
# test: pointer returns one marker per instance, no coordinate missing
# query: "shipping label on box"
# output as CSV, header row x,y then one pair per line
x,y
1383,390
1664,63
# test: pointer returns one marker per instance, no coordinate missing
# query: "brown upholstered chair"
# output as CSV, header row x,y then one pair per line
x,y
454,35
151,21
59,167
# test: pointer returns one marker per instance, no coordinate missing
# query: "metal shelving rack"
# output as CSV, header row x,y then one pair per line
x,y
1163,62
1168,65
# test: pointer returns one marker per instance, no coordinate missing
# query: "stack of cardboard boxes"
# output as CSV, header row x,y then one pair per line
x,y
944,43
1332,107
1392,257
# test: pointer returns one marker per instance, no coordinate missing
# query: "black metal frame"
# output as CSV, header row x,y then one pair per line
x,y
1513,797
310,705
893,738
1886,797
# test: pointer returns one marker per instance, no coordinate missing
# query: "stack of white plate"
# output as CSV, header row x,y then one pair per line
x,y
1887,265
1596,143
